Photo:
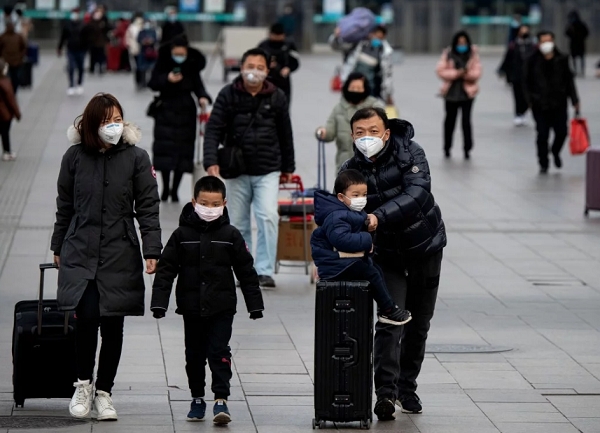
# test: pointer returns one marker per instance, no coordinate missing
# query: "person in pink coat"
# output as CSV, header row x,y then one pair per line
x,y
460,69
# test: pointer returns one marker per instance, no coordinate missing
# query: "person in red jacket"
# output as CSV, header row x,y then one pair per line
x,y
9,110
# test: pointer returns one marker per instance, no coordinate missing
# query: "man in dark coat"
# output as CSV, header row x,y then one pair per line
x,y
250,118
549,82
408,247
172,28
284,58
577,31
176,76
76,36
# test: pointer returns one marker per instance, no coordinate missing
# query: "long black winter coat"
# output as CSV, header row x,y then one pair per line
x,y
399,195
513,65
267,144
99,195
176,120
202,254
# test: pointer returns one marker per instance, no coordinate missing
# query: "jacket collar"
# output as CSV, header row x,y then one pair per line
x,y
267,89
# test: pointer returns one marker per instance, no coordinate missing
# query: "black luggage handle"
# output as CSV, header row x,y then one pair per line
x,y
40,311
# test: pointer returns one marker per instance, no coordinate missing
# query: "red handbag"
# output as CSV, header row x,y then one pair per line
x,y
580,136
336,82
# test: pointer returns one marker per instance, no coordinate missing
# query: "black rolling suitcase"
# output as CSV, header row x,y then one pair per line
x,y
26,75
343,353
43,349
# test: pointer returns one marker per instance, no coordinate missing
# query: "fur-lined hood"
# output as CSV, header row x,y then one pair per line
x,y
132,134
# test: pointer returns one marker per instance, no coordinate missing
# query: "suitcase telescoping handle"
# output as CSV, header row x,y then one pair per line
x,y
40,311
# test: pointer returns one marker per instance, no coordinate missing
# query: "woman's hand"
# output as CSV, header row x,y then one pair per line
x,y
57,261
150,266
174,78
321,132
203,104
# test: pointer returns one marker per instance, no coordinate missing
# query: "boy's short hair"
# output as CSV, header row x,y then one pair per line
x,y
346,179
210,184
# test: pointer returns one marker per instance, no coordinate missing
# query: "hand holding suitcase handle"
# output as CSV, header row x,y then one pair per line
x,y
40,312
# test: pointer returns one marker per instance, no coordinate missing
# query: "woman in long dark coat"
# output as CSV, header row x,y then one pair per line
x,y
104,181
176,76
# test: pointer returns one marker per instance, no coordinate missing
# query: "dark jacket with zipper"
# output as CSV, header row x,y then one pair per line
x,y
341,238
76,35
99,195
201,255
399,195
267,142
285,55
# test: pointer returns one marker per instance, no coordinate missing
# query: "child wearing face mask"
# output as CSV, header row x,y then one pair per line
x,y
202,253
342,246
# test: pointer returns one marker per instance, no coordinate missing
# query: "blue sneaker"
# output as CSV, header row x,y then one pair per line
x,y
197,410
221,412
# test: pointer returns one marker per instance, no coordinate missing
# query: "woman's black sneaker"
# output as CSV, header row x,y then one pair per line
x,y
396,316
410,403
266,281
384,409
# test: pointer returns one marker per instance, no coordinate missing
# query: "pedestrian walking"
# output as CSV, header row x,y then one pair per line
x,y
9,110
96,246
284,58
460,69
99,29
133,46
119,35
288,20
410,237
206,293
172,29
176,76
356,94
250,119
549,82
13,50
577,31
513,67
148,54
76,36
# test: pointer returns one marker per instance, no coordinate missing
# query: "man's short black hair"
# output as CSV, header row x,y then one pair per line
x,y
545,33
256,52
346,179
277,29
380,28
210,184
367,113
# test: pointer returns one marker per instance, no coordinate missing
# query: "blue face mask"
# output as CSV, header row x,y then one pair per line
x,y
376,43
461,49
179,59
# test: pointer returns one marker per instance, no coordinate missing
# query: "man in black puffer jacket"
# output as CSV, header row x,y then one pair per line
x,y
250,119
408,246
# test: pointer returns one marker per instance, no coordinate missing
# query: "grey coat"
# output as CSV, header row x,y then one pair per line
x,y
99,194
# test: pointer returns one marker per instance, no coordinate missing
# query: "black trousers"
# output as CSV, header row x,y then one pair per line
x,y
207,338
98,57
367,270
581,58
399,350
450,122
167,188
5,134
14,73
521,105
555,119
111,330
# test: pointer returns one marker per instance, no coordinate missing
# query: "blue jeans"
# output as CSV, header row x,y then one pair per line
x,y
76,60
260,193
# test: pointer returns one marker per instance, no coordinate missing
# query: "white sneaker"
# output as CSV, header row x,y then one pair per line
x,y
518,121
103,405
81,403
9,156
79,90
71,91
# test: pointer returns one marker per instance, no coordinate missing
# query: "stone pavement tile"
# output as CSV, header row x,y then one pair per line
x,y
238,409
86,428
522,412
530,427
137,420
280,401
277,389
586,425
120,427
580,406
243,368
505,396
470,358
282,415
441,424
6,408
472,366
434,372
301,379
491,379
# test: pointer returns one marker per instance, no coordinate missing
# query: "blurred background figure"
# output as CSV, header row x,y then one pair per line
x,y
99,29
513,29
75,35
23,24
13,50
460,69
513,67
288,20
133,46
9,110
148,43
119,41
172,28
577,31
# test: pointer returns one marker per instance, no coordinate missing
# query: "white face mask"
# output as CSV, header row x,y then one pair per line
x,y
547,47
369,146
209,214
254,76
111,133
357,204
74,16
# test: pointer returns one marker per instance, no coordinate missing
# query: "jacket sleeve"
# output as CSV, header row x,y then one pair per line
x,y
571,87
387,83
145,192
339,234
474,69
64,36
159,78
415,190
285,134
216,128
444,69
243,266
64,202
331,126
293,58
166,271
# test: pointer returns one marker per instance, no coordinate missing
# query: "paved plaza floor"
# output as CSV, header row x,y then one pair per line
x,y
521,271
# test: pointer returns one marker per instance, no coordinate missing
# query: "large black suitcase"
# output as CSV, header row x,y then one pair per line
x,y
26,75
43,350
343,353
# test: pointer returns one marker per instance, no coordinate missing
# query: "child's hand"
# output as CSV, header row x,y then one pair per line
x,y
372,222
256,315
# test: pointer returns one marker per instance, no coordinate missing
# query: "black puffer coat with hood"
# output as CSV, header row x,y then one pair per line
x,y
399,195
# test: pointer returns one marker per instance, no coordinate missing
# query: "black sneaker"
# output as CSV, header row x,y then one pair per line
x,y
557,161
543,170
384,409
221,412
266,281
197,410
396,316
410,403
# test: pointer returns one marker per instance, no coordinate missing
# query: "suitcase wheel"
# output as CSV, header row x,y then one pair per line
x,y
365,424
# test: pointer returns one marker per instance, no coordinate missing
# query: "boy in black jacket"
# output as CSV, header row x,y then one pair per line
x,y
202,253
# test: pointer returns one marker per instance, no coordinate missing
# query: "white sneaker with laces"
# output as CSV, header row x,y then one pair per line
x,y
9,156
81,403
79,90
71,91
103,405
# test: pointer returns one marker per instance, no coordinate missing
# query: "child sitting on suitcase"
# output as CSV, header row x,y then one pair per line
x,y
341,245
202,253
